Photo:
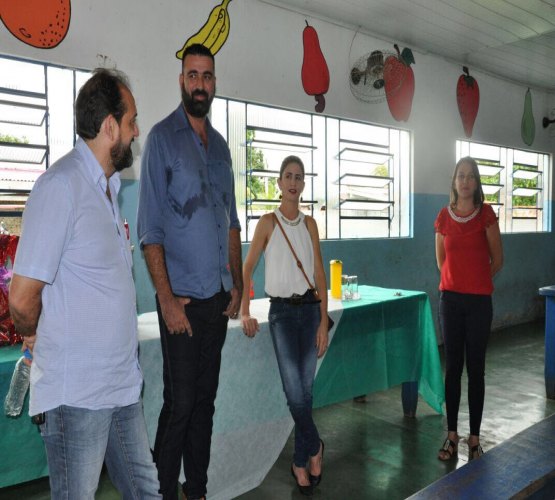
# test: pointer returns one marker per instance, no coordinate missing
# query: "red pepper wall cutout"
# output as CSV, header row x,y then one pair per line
x,y
314,73
468,100
399,83
40,23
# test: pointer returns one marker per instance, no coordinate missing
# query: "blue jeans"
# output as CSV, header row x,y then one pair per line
x,y
293,329
191,375
79,440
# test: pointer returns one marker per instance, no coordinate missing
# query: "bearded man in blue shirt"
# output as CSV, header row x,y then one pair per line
x,y
190,235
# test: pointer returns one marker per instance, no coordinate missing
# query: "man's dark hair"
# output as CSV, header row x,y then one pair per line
x,y
99,97
197,49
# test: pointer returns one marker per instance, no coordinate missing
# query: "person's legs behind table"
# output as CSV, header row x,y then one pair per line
x,y
76,440
128,457
293,329
191,373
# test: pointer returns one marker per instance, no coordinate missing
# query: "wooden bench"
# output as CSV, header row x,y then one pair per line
x,y
521,467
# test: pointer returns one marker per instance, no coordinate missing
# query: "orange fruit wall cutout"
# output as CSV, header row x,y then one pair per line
x,y
39,23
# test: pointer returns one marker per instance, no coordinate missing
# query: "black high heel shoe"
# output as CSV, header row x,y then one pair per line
x,y
315,480
305,490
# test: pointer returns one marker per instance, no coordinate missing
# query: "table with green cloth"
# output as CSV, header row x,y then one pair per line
x,y
382,340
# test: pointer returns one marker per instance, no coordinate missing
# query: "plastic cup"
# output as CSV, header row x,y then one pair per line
x,y
353,287
345,289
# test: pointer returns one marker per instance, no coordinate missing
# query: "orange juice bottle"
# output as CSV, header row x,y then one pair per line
x,y
336,268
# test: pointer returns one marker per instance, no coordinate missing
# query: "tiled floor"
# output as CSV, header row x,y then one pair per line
x,y
373,452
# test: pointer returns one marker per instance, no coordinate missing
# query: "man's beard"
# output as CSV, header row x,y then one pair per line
x,y
122,156
198,109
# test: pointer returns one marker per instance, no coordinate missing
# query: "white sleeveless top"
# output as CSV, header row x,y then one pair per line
x,y
282,276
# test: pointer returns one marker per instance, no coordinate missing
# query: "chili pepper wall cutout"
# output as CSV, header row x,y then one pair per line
x,y
314,72
468,100
213,33
399,83
528,126
40,23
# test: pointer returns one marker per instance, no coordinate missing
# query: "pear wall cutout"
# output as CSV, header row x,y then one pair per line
x,y
315,75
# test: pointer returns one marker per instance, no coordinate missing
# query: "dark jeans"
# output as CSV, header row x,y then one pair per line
x,y
465,324
191,373
293,329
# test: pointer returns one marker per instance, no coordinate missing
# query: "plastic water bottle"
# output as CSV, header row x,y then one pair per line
x,y
19,385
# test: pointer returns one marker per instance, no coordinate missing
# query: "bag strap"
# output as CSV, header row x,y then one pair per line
x,y
299,263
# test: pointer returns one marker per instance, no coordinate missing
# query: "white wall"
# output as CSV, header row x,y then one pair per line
x,y
261,62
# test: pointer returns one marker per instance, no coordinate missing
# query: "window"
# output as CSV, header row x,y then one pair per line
x,y
358,175
516,183
36,127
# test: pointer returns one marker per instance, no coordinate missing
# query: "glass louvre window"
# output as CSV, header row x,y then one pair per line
x,y
516,183
357,175
36,125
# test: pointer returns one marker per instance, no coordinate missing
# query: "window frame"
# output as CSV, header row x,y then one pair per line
x,y
323,167
27,99
497,173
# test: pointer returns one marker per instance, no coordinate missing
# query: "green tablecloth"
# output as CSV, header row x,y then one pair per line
x,y
22,455
382,340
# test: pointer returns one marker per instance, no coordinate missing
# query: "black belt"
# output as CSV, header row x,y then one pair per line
x,y
309,297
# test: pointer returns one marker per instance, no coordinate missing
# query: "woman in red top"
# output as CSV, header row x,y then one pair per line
x,y
469,253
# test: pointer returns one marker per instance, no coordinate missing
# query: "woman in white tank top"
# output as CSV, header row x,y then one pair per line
x,y
298,316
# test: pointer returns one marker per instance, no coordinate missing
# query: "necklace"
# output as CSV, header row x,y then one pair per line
x,y
291,222
462,219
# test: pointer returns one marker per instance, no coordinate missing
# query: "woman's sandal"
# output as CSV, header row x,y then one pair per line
x,y
475,452
450,448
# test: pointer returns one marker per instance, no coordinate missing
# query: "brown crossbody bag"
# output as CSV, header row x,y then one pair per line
x,y
300,266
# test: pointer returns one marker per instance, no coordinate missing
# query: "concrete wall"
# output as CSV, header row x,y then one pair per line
x,y
261,62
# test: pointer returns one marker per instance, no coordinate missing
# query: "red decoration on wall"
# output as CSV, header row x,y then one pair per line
x,y
8,247
468,100
399,83
314,73
40,23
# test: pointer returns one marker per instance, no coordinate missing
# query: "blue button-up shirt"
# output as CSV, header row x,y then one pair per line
x,y
187,205
74,241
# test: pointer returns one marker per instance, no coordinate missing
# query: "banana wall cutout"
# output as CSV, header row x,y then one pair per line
x,y
214,33
40,23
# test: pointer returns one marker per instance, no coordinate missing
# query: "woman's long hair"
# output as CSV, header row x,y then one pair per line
x,y
478,198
